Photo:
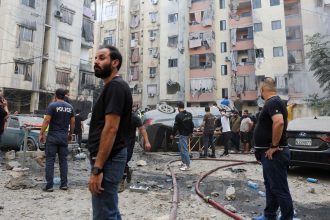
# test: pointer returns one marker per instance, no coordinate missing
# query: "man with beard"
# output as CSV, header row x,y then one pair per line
x,y
108,139
273,152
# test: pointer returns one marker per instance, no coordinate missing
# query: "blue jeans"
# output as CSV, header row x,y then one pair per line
x,y
276,183
57,143
183,147
105,205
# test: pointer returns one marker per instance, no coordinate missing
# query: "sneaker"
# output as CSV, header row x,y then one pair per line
x,y
121,186
129,176
48,189
64,187
185,168
181,164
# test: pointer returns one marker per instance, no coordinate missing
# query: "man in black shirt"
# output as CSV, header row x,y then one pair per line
x,y
184,124
79,127
272,150
108,138
3,114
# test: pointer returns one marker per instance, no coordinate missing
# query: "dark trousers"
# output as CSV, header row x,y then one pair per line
x,y
130,149
226,138
208,141
56,143
276,183
235,140
78,137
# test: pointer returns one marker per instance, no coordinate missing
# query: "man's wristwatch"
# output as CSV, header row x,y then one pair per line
x,y
96,171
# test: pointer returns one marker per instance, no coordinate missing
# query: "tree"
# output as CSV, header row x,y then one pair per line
x,y
319,62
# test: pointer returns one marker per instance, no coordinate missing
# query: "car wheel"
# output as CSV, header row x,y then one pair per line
x,y
31,146
166,108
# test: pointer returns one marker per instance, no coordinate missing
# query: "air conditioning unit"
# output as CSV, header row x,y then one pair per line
x,y
151,95
152,38
227,58
58,14
152,75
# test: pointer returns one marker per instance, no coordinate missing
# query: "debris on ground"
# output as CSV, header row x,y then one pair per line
x,y
10,155
230,208
141,163
312,180
312,190
12,164
215,194
231,193
237,170
20,183
80,156
138,188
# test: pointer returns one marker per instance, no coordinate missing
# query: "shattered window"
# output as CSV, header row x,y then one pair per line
x,y
24,69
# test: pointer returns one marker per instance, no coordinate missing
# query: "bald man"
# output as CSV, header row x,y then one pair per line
x,y
272,151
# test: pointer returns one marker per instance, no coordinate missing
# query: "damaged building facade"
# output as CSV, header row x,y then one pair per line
x,y
45,45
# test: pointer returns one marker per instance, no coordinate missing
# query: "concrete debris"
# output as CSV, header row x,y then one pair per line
x,y
137,188
230,193
238,170
12,164
10,155
18,172
215,194
141,163
168,180
230,208
312,190
20,183
80,156
300,178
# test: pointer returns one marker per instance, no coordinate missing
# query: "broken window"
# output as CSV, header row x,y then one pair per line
x,y
63,77
152,72
196,17
24,69
172,62
224,71
224,92
223,47
172,87
276,25
222,25
259,53
295,56
257,27
293,33
87,30
67,15
278,52
199,61
135,56
153,16
109,40
64,44
25,34
172,18
172,41
30,3
87,80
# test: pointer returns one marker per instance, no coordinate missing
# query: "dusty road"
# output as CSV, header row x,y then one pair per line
x,y
155,204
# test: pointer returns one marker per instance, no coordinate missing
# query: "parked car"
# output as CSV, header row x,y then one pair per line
x,y
86,125
309,141
159,124
13,135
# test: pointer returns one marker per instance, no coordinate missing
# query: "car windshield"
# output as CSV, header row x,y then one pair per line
x,y
34,121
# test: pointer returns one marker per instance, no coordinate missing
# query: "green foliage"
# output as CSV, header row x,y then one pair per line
x,y
319,56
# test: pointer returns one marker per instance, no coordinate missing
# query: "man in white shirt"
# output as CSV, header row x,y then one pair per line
x,y
226,132
245,130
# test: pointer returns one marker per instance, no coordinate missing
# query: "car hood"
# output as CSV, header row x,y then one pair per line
x,y
317,124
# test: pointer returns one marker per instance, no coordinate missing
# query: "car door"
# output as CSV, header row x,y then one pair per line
x,y
12,135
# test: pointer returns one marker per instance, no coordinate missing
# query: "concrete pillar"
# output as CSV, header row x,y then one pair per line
x,y
34,102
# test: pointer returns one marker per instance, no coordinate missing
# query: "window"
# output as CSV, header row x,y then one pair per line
x,y
278,52
13,123
153,16
152,90
293,33
25,34
224,92
172,18
108,41
256,4
64,44
24,69
295,56
67,16
87,30
87,3
222,25
153,33
224,70
276,24
274,2
63,78
172,41
200,61
30,3
319,3
259,53
222,4
87,80
223,47
172,62
257,27
110,10
152,72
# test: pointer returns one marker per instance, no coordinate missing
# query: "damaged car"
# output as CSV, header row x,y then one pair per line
x,y
309,141
159,124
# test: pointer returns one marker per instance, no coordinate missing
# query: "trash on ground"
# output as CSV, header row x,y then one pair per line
x,y
231,208
312,180
312,190
262,194
141,163
80,156
231,193
215,194
140,189
57,180
237,170
20,183
252,184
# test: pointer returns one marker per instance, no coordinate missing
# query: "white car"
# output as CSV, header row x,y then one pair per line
x,y
86,124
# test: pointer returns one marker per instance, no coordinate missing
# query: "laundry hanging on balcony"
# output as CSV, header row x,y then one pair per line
x,y
134,73
135,56
208,16
198,39
233,36
233,58
201,85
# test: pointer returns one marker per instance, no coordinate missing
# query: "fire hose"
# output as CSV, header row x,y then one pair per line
x,y
175,196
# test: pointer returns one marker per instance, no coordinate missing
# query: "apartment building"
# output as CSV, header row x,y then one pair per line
x,y
44,46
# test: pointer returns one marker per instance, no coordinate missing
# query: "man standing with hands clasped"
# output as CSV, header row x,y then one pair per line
x,y
108,134
273,153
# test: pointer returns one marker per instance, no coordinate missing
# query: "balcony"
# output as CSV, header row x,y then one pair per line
x,y
245,69
249,95
241,22
244,44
